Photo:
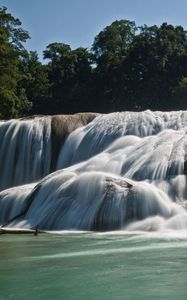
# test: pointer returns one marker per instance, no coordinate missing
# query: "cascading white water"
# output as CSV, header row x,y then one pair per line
x,y
25,151
30,147
13,201
121,171
104,130
94,201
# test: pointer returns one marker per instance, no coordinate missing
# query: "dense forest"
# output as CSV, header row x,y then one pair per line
x,y
126,68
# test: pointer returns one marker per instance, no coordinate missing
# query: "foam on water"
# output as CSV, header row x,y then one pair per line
x,y
13,201
24,151
123,171
97,201
104,130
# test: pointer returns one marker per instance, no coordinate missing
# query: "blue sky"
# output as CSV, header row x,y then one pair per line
x,y
76,22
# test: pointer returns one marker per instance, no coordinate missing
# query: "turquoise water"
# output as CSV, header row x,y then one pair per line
x,y
93,266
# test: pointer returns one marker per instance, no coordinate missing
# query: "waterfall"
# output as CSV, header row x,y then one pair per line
x,y
124,171
104,130
29,148
25,151
13,202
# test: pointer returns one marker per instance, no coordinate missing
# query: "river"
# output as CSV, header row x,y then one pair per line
x,y
114,265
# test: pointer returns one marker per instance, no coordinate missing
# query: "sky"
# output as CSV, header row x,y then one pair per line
x,y
77,22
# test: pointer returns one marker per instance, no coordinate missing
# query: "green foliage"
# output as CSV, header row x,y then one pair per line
x,y
110,48
142,69
34,81
158,62
112,44
69,71
12,101
127,68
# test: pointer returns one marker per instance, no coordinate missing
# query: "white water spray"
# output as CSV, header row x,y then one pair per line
x,y
121,171
25,151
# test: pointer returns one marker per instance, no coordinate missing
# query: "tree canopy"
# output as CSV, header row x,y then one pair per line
x,y
127,68
12,99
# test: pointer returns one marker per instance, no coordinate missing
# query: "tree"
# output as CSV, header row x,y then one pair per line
x,y
113,43
69,72
111,47
12,36
158,61
35,82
